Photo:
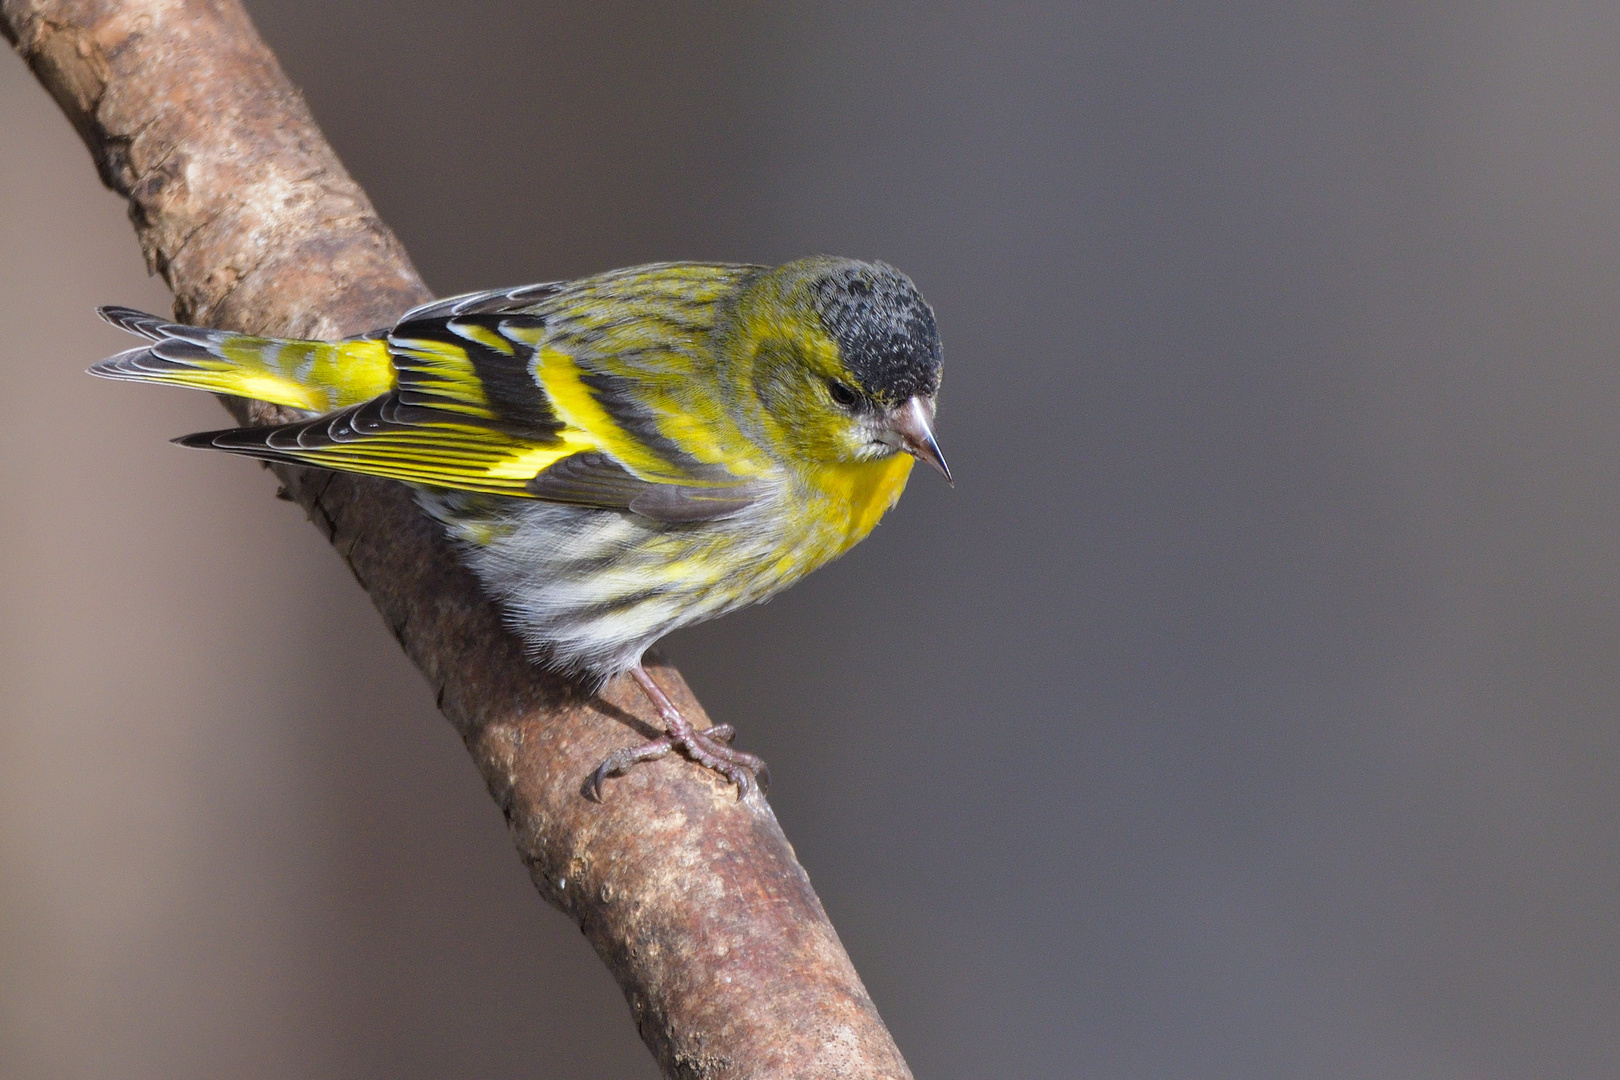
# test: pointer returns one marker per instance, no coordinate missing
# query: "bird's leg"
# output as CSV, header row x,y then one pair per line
x,y
708,748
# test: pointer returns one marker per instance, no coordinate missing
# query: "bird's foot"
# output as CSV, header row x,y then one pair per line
x,y
707,747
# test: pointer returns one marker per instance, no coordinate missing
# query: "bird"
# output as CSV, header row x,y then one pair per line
x,y
615,456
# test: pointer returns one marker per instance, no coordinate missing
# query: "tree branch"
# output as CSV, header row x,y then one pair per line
x,y
693,899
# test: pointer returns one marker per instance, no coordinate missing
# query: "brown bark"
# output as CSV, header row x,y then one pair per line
x,y
693,899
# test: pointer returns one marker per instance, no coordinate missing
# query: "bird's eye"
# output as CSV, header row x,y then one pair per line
x,y
841,393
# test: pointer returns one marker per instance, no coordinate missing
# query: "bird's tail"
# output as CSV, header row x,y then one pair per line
x,y
319,376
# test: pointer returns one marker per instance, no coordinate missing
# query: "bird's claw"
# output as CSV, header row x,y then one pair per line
x,y
622,760
753,768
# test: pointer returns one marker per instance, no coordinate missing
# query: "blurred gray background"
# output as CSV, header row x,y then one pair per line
x,y
1248,709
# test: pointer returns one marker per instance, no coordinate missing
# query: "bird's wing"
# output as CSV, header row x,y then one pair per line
x,y
484,402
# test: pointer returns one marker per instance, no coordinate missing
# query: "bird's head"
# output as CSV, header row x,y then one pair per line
x,y
844,358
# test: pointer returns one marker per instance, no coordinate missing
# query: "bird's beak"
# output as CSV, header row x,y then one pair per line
x,y
913,423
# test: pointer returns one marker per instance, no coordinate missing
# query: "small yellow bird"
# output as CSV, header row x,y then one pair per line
x,y
616,456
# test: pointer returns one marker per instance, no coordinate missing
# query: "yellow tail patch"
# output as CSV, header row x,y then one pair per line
x,y
317,376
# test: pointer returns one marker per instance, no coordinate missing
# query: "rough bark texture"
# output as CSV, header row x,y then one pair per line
x,y
693,899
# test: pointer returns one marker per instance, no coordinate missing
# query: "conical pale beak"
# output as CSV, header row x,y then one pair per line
x,y
913,424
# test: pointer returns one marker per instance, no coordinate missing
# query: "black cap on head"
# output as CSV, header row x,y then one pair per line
x,y
884,329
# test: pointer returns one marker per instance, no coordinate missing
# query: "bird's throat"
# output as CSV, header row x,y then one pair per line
x,y
860,493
